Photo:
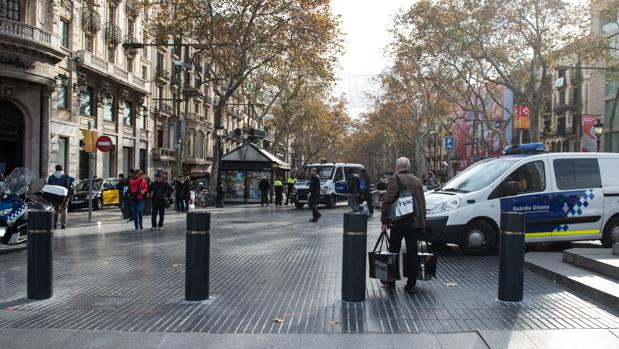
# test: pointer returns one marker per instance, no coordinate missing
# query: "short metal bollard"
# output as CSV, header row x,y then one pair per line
x,y
511,264
197,256
40,265
354,257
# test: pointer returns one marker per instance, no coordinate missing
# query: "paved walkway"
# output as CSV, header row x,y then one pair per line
x,y
272,272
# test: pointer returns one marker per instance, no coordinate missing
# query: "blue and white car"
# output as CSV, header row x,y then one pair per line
x,y
565,196
333,183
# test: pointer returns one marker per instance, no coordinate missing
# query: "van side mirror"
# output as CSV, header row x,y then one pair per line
x,y
510,188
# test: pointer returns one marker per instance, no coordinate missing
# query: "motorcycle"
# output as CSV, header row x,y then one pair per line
x,y
14,207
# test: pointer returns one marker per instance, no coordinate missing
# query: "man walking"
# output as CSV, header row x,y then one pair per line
x,y
290,187
59,178
411,230
159,191
179,203
279,191
353,187
264,187
365,186
314,194
123,196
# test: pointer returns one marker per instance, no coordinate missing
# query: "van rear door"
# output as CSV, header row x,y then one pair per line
x,y
579,196
610,186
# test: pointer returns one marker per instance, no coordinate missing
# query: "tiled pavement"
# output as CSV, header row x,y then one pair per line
x,y
271,272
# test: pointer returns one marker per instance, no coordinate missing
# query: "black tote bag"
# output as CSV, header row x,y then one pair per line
x,y
384,265
426,263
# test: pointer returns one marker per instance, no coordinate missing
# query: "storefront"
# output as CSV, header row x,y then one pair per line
x,y
244,168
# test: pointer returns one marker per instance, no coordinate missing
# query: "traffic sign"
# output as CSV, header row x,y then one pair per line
x,y
104,144
449,143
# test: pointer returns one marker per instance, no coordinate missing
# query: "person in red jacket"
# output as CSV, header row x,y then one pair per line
x,y
137,189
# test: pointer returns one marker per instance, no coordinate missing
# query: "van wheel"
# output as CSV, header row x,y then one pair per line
x,y
611,233
332,201
479,238
299,206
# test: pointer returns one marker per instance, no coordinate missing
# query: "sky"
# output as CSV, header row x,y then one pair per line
x,y
365,24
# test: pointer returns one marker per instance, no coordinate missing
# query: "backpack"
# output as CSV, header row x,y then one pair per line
x,y
362,185
62,181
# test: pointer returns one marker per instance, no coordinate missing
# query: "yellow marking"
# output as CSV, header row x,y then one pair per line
x,y
537,235
562,233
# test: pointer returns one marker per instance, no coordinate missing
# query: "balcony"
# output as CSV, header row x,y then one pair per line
x,y
209,125
131,52
91,21
112,35
134,7
163,154
195,117
28,41
162,75
108,70
164,108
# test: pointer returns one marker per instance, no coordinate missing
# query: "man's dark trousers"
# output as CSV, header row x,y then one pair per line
x,y
410,235
157,208
313,202
279,195
264,198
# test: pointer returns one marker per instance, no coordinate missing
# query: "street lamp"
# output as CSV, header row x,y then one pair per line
x,y
219,131
598,128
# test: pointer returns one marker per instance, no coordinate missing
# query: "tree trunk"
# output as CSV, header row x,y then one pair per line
x,y
214,178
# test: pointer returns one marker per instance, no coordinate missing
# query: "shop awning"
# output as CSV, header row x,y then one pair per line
x,y
249,152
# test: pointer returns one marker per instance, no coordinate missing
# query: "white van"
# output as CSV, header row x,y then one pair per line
x,y
333,183
566,197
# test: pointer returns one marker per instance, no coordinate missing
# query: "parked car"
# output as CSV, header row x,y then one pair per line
x,y
104,194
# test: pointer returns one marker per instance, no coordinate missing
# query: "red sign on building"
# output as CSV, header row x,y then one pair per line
x,y
104,144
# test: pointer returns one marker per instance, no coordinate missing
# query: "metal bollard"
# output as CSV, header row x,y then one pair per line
x,y
511,263
354,257
40,265
197,256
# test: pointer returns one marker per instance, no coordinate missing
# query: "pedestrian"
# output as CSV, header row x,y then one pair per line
x,y
178,195
431,182
290,187
124,198
264,187
365,186
314,194
411,230
59,178
279,191
353,188
159,191
138,190
186,193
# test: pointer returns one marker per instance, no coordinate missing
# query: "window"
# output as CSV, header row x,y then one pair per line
x,y
531,177
142,118
191,144
63,150
200,145
89,43
64,33
612,84
112,14
172,136
127,159
142,161
577,174
86,102
130,65
63,96
128,114
111,54
106,173
9,9
130,27
159,138
108,108
339,176
144,72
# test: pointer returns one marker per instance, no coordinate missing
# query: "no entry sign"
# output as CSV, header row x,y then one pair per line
x,y
104,144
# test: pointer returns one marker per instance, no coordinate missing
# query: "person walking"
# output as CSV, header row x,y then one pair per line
x,y
186,193
411,230
138,190
59,178
123,186
279,191
314,194
290,187
365,186
264,187
159,191
178,195
353,188
431,182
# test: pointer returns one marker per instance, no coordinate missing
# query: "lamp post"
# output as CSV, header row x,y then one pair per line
x,y
219,131
598,128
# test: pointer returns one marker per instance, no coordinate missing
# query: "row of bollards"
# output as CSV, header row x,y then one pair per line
x,y
40,257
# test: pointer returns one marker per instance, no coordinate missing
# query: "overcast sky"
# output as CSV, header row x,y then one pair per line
x,y
365,24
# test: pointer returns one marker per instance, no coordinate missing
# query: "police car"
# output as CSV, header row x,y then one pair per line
x,y
333,183
565,196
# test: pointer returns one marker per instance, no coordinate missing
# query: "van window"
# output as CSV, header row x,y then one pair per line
x,y
577,174
350,170
609,167
531,178
339,176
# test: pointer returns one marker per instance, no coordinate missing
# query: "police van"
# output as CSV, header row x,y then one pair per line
x,y
333,183
565,196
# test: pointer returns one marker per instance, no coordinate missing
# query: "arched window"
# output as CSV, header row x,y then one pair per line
x,y
9,9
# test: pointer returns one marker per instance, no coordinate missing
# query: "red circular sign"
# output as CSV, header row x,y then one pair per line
x,y
104,143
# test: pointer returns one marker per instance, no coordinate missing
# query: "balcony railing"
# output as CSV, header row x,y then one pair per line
x,y
91,21
164,108
164,154
112,34
25,31
131,52
162,74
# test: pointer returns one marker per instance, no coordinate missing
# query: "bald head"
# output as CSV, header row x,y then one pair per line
x,y
403,164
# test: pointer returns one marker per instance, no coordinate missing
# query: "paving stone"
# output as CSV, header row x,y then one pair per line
x,y
279,267
507,340
577,339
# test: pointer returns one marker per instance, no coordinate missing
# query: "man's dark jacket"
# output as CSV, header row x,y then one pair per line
x,y
314,186
414,185
160,191
264,185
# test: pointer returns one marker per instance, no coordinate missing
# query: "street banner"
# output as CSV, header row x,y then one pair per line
x,y
522,118
589,139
